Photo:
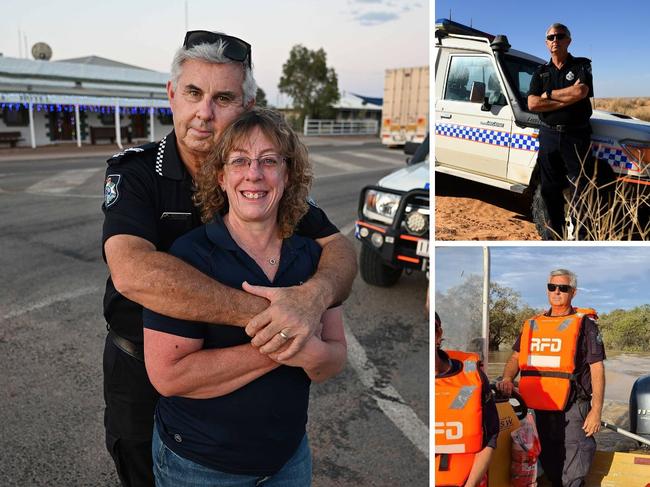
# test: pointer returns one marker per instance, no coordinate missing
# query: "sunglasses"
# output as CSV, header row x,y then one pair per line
x,y
552,37
564,288
235,48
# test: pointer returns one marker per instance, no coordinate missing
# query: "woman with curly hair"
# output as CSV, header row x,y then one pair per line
x,y
241,425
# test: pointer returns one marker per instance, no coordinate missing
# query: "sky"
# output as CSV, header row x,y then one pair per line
x,y
614,35
609,277
362,38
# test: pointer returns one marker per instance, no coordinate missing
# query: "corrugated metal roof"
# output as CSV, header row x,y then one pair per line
x,y
350,102
22,68
100,61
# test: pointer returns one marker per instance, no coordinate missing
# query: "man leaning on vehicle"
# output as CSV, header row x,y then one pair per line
x,y
560,92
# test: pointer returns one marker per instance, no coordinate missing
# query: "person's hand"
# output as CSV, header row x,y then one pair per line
x,y
305,357
591,425
294,314
505,387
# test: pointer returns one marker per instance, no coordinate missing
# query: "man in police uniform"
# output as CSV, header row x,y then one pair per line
x,y
560,92
566,432
148,204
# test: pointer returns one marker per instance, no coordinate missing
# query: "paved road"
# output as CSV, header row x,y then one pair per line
x,y
367,426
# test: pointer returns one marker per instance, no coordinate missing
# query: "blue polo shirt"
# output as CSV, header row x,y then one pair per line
x,y
257,428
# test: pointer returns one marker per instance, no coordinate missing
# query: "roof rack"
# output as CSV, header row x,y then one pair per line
x,y
446,26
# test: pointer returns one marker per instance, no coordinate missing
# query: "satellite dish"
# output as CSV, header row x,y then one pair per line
x,y
42,51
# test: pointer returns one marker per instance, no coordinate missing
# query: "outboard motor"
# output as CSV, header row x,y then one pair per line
x,y
640,407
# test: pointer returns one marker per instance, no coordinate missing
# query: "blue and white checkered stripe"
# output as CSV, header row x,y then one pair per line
x,y
524,141
614,156
486,136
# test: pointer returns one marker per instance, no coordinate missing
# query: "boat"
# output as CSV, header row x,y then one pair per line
x,y
466,327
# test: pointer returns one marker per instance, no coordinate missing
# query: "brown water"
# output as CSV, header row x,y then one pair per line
x,y
621,370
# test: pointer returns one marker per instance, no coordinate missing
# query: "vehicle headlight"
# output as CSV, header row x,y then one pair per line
x,y
417,223
381,206
639,152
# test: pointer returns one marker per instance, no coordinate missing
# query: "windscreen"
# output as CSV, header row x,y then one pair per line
x,y
459,281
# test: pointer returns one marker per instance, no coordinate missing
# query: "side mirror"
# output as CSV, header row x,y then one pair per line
x,y
411,147
477,93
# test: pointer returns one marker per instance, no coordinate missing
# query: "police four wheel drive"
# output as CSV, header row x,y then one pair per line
x,y
393,223
486,133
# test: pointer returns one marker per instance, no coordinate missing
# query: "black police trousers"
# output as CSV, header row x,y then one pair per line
x,y
560,158
567,453
128,418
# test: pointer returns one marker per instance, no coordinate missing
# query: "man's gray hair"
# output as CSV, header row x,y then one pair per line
x,y
213,53
573,279
559,26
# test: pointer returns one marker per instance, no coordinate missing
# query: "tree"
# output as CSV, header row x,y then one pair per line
x,y
627,330
507,314
312,86
260,98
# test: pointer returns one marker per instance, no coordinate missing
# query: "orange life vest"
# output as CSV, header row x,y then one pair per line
x,y
458,421
547,355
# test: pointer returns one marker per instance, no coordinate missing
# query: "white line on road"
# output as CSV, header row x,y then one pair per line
x,y
386,396
348,228
335,163
51,300
376,157
63,181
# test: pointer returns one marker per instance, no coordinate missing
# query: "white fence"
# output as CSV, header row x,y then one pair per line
x,y
341,127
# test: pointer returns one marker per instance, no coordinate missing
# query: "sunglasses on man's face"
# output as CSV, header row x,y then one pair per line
x,y
564,288
235,48
552,37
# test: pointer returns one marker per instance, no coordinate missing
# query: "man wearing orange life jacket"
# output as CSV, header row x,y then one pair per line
x,y
466,418
560,356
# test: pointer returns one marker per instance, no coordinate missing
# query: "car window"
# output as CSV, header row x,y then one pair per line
x,y
465,70
520,72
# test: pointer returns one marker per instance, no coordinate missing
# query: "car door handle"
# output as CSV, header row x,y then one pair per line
x,y
442,115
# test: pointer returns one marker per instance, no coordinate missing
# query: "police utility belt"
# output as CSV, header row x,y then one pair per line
x,y
127,346
563,128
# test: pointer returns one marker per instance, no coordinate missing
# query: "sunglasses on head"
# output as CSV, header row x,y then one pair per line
x,y
235,48
564,288
552,37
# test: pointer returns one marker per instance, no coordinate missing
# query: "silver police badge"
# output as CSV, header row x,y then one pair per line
x,y
570,76
111,191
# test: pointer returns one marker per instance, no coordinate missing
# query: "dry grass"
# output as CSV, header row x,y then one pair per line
x,y
634,107
608,211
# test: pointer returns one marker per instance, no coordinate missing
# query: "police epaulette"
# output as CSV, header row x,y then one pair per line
x,y
122,155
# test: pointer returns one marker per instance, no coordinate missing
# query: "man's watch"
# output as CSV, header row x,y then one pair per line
x,y
548,93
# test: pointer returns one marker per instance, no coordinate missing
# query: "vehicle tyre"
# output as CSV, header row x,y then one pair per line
x,y
374,271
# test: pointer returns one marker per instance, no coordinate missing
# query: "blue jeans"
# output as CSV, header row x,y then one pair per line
x,y
172,470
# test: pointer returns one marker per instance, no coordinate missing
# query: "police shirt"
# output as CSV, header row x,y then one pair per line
x,y
257,428
548,77
590,350
148,194
490,414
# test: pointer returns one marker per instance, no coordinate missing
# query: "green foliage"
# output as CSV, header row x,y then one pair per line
x,y
627,330
310,83
260,98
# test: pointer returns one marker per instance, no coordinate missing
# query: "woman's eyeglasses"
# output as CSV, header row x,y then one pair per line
x,y
269,162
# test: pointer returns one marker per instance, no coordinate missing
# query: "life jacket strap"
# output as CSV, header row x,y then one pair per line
x,y
548,373
444,462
